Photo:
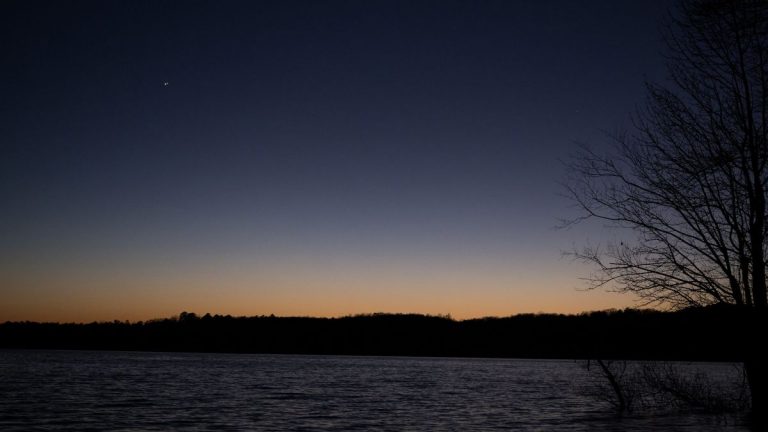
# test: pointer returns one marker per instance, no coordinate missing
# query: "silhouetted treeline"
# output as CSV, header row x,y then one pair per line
x,y
693,334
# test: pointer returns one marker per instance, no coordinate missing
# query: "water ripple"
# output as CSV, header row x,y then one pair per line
x,y
79,390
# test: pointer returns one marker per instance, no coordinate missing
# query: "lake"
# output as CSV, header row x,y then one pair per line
x,y
87,390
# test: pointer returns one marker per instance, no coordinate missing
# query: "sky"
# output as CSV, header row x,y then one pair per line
x,y
318,158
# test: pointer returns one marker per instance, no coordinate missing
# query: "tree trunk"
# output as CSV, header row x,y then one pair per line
x,y
756,367
758,384
621,402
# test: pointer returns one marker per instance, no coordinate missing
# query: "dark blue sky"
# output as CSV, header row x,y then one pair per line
x,y
318,157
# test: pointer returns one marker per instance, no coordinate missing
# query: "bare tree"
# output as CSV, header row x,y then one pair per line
x,y
690,179
622,389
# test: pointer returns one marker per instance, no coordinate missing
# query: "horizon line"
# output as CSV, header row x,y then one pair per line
x,y
448,316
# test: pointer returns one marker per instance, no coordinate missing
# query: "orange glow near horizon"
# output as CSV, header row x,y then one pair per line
x,y
462,293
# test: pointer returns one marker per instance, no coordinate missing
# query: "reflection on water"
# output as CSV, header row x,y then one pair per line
x,y
55,390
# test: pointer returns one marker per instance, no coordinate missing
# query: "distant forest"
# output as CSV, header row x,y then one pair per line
x,y
691,334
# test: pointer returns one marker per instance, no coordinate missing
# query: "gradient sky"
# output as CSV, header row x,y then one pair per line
x,y
305,157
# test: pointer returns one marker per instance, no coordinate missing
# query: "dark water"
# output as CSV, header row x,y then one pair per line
x,y
82,390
